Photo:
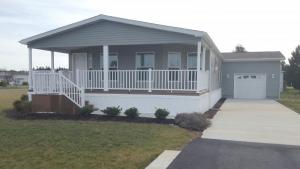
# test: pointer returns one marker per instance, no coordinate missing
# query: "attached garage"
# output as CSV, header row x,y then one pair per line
x,y
251,75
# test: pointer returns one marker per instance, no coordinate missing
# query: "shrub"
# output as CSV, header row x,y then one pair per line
x,y
132,112
22,106
87,110
192,121
25,83
24,97
161,113
3,83
112,111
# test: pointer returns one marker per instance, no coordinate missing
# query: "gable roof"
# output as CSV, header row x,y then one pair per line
x,y
253,56
114,19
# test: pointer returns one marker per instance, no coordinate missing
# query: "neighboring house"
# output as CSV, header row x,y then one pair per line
x,y
14,77
127,63
19,79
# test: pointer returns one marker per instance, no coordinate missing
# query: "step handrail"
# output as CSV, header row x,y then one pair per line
x,y
71,90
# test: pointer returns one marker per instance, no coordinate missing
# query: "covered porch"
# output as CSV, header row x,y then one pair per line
x,y
153,68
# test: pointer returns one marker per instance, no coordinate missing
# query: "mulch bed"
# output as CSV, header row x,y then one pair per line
x,y
213,111
97,117
93,117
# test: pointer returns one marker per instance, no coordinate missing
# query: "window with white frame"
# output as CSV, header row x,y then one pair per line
x,y
145,60
192,60
174,60
90,61
174,63
112,61
192,65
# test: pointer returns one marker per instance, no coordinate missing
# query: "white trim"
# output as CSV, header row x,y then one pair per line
x,y
179,67
52,61
144,52
257,59
30,82
105,67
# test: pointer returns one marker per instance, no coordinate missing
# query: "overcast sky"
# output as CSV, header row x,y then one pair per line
x,y
259,25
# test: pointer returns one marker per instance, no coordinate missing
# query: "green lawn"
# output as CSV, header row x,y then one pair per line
x,y
81,144
291,98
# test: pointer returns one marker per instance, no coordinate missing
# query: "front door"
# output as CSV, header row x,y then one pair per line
x,y
79,62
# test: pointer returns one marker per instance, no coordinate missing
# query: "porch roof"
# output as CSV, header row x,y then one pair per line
x,y
174,34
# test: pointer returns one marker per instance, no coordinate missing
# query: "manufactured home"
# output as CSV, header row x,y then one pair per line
x,y
127,63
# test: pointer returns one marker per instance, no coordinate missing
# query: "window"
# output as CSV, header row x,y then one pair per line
x,y
192,60
174,63
112,61
174,60
90,61
145,60
192,65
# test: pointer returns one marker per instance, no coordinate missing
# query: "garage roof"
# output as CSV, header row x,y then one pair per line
x,y
253,56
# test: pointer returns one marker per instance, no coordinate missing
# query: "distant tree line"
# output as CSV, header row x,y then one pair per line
x,y
292,70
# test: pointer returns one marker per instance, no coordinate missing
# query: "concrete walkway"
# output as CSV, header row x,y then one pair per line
x,y
261,121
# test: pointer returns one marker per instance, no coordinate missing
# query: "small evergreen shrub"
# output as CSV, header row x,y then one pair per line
x,y
87,110
22,106
112,111
132,112
25,83
192,121
3,83
24,97
161,113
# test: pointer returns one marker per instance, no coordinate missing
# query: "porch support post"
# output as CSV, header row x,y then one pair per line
x,y
52,61
198,66
105,66
30,83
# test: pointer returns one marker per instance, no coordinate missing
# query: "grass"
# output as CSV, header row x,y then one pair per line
x,y
291,98
81,144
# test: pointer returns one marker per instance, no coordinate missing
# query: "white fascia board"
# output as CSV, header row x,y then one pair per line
x,y
249,60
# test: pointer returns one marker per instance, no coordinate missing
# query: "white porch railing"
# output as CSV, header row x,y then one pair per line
x,y
57,83
181,80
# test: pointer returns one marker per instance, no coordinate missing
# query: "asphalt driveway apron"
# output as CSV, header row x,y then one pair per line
x,y
224,154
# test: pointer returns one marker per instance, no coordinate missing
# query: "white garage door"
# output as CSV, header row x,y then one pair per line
x,y
250,86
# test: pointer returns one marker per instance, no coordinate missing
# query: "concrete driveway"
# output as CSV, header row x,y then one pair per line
x,y
260,121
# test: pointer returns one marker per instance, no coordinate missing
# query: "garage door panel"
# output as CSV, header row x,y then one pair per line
x,y
250,86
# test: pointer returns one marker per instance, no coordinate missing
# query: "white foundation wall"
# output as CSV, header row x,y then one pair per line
x,y
215,96
147,104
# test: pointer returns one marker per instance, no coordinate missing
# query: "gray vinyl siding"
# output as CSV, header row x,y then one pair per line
x,y
267,67
111,33
215,70
127,54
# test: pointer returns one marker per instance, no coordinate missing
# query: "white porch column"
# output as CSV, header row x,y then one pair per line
x,y
198,66
30,68
203,59
105,66
52,61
